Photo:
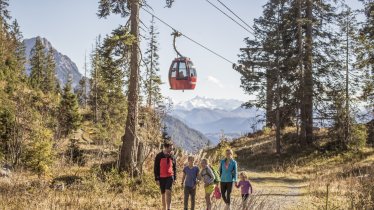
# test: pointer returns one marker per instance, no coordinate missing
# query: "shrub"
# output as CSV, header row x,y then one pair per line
x,y
359,136
266,131
75,154
39,154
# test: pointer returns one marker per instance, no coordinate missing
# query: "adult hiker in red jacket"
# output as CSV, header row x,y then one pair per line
x,y
165,171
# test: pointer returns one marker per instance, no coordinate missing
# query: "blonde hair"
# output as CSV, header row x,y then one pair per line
x,y
206,161
230,150
244,175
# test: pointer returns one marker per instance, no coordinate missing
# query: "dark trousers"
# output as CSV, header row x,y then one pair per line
x,y
226,188
189,191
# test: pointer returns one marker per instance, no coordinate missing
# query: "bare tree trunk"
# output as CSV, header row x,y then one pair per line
x,y
301,72
347,120
269,99
95,81
128,157
278,98
143,153
278,123
308,79
85,81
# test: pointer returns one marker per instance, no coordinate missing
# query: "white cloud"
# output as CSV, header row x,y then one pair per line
x,y
215,81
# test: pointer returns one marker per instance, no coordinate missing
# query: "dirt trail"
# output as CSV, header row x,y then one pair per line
x,y
271,191
278,191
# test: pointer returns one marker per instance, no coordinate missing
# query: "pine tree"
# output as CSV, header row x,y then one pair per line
x,y
81,94
18,49
69,116
302,53
365,54
4,14
49,73
113,78
8,68
94,82
128,158
271,67
129,154
152,79
83,86
37,62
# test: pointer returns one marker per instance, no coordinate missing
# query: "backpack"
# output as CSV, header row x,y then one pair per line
x,y
217,177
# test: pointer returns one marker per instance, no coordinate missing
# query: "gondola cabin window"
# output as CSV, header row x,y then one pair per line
x,y
174,70
192,69
182,73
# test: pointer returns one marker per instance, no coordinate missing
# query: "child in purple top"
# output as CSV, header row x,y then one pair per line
x,y
245,187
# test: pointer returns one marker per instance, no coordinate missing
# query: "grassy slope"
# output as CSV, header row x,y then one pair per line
x,y
296,179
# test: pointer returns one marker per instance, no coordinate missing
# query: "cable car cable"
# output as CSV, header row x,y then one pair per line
x,y
201,45
230,17
235,15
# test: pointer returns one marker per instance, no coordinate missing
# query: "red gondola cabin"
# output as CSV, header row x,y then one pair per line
x,y
182,74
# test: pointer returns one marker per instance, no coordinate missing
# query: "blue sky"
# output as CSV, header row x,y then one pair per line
x,y
72,26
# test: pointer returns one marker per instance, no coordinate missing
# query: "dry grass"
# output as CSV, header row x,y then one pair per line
x,y
349,175
295,180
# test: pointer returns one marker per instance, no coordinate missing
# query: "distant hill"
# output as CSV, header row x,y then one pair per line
x,y
64,65
185,137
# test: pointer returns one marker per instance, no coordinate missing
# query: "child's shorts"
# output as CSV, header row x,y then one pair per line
x,y
209,189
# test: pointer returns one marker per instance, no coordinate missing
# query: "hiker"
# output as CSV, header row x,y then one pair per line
x,y
228,171
165,173
245,188
208,178
189,181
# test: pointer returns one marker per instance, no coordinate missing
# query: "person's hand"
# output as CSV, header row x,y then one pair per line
x,y
158,183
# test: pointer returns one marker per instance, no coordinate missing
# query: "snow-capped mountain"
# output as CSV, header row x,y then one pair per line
x,y
214,116
64,65
208,103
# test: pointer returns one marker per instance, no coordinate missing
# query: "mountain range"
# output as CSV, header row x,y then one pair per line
x,y
65,67
208,103
217,117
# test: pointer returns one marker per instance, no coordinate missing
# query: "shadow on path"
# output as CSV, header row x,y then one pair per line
x,y
277,179
280,194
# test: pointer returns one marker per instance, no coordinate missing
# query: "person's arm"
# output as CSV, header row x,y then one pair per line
x,y
237,184
235,175
197,175
220,168
211,174
184,176
175,168
156,168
